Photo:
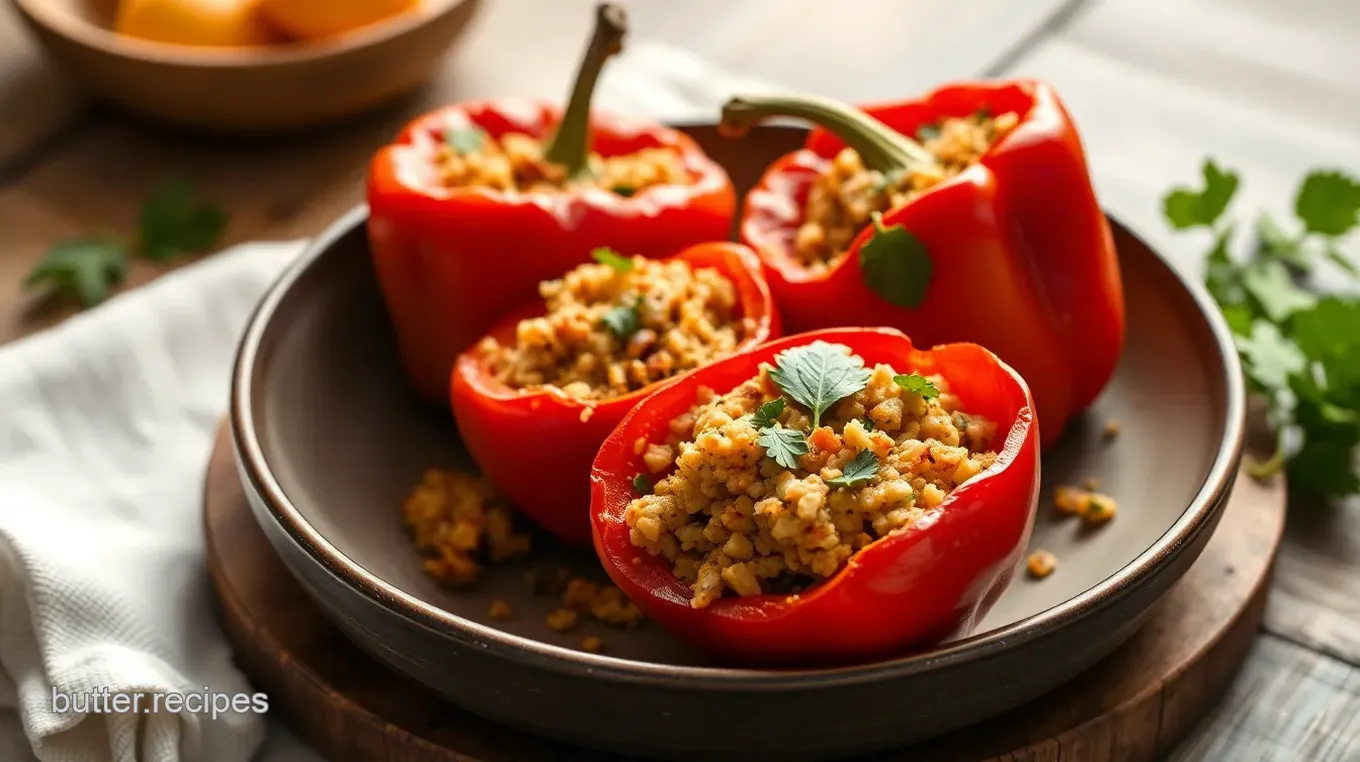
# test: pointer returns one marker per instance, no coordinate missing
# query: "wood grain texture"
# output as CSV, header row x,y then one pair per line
x,y
1133,706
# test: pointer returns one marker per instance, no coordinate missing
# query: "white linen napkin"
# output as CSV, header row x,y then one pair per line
x,y
105,427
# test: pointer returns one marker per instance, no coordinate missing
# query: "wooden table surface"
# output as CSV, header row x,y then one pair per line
x,y
1267,87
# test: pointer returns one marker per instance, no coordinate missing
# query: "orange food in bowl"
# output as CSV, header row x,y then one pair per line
x,y
212,23
314,19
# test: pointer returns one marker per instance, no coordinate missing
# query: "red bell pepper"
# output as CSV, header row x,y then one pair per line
x,y
933,579
1014,253
452,261
537,444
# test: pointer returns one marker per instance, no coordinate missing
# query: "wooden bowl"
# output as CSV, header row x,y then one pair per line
x,y
329,439
247,89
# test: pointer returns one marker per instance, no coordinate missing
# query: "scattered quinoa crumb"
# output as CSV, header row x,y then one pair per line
x,y
1041,563
605,603
587,412
592,644
1091,506
499,609
1112,428
457,518
562,620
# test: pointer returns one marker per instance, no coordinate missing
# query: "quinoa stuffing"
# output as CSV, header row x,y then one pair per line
x,y
842,200
563,620
778,482
1091,506
1041,563
499,609
456,518
620,324
469,157
592,644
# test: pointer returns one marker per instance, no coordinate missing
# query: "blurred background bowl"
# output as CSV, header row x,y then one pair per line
x,y
247,89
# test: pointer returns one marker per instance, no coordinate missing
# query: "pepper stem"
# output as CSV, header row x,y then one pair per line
x,y
571,143
878,145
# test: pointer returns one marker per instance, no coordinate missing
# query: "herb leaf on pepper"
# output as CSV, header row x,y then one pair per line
x,y
858,471
895,265
1300,349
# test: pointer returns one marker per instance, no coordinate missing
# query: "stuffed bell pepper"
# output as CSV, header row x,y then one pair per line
x,y
967,215
833,496
476,203
537,396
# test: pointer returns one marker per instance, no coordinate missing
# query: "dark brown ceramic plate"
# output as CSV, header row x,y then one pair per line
x,y
329,440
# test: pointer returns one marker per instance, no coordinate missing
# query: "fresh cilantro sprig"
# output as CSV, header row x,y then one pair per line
x,y
917,383
173,221
466,140
768,413
783,445
895,264
858,471
1300,349
624,320
607,256
818,375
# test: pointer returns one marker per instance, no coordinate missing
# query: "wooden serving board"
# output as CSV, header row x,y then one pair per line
x,y
1133,706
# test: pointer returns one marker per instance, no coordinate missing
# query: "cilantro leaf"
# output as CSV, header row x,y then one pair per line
x,y
466,140
1342,262
918,384
84,268
858,471
895,264
768,412
927,132
1222,276
1328,202
867,424
818,375
783,445
626,191
1325,463
623,321
1238,318
642,485
607,256
174,221
1329,335
1187,207
1270,285
1270,357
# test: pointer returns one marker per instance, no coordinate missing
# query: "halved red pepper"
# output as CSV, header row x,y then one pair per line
x,y
537,444
1021,259
452,261
934,579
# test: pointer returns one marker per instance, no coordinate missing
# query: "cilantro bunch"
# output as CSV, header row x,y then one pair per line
x,y
1300,348
172,221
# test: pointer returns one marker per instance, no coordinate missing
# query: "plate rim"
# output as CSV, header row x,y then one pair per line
x,y
1198,515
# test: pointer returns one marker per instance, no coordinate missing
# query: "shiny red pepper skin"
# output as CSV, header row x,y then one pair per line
x,y
1024,262
936,579
452,261
535,446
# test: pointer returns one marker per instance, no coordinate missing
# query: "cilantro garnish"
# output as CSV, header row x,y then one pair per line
x,y
172,221
765,417
927,132
642,484
918,384
83,268
818,375
626,191
624,320
783,445
858,471
466,140
1300,350
607,256
895,264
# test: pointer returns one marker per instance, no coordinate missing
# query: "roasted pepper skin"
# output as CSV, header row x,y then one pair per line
x,y
452,261
935,579
1023,259
537,445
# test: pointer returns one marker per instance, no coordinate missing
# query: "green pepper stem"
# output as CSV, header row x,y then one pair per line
x,y
878,145
571,143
